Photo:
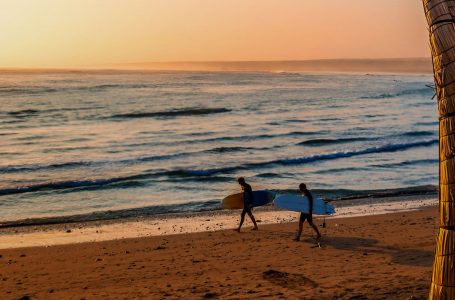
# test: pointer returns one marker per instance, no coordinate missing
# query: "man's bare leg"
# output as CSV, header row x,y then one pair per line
x,y
316,230
299,233
242,219
253,220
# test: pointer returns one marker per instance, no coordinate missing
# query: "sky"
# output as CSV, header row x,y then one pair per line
x,y
87,33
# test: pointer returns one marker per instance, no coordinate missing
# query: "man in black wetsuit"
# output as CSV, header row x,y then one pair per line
x,y
247,203
308,216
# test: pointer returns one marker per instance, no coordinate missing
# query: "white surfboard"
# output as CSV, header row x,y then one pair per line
x,y
302,204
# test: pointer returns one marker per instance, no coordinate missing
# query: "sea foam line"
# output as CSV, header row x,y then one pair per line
x,y
317,157
210,172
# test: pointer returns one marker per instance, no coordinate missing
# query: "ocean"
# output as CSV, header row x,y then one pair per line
x,y
88,145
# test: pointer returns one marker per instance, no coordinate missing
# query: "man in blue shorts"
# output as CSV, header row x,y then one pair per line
x,y
247,203
306,216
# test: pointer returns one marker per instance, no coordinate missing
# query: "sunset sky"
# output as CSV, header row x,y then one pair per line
x,y
79,33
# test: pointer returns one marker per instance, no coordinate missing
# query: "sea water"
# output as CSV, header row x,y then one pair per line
x,y
120,143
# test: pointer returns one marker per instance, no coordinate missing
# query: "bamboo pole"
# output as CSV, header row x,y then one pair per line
x,y
440,15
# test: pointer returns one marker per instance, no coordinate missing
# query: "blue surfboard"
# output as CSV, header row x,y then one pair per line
x,y
302,204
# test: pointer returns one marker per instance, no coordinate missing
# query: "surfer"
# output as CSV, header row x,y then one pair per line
x,y
247,203
307,216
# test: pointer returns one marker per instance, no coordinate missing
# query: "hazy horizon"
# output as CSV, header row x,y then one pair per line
x,y
83,33
400,65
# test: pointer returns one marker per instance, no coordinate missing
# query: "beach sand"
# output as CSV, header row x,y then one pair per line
x,y
387,256
181,223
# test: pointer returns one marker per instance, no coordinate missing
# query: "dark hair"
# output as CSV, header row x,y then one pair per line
x,y
302,186
241,180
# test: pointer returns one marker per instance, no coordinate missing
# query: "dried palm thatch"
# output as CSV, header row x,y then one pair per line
x,y
440,16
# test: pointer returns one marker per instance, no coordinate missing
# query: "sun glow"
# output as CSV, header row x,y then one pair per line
x,y
54,33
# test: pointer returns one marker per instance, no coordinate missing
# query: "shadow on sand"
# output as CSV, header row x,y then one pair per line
x,y
403,256
289,280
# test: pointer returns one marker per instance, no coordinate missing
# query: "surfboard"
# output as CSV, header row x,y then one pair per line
x,y
235,201
302,204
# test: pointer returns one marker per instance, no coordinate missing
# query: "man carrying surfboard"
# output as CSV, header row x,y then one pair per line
x,y
247,203
307,216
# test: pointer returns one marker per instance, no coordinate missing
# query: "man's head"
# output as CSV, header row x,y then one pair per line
x,y
302,187
241,180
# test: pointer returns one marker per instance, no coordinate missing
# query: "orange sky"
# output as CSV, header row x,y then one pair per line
x,y
78,33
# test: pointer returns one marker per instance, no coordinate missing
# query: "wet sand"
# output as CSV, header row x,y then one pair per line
x,y
181,223
386,256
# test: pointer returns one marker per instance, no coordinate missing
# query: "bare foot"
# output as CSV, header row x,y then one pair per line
x,y
237,229
255,228
296,237
317,245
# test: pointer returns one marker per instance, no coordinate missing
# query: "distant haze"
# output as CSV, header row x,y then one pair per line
x,y
397,65
386,65
88,33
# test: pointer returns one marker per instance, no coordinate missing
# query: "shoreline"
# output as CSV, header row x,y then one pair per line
x,y
184,223
343,198
376,257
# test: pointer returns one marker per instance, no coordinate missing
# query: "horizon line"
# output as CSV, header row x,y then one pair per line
x,y
213,61
387,65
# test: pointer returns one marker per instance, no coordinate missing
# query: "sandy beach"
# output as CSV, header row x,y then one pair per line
x,y
131,129
379,256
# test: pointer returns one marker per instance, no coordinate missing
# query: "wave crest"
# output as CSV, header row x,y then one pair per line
x,y
321,142
171,113
314,158
422,91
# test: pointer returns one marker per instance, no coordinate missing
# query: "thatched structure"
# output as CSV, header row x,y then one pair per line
x,y
440,15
